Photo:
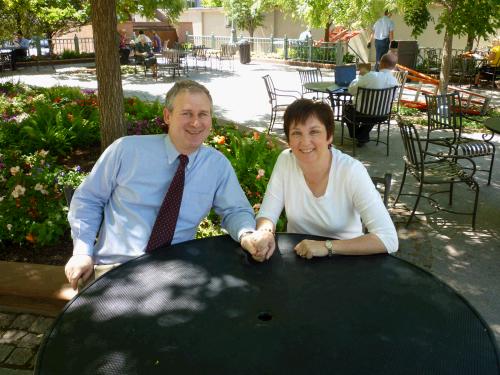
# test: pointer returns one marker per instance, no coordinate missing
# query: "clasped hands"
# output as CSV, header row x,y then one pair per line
x,y
261,245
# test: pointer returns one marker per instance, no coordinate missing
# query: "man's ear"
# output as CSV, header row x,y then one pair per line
x,y
166,115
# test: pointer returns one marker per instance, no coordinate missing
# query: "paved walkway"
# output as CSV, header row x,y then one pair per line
x,y
443,244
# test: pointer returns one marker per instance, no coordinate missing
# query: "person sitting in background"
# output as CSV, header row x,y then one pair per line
x,y
20,50
144,55
124,48
324,191
371,80
156,42
492,65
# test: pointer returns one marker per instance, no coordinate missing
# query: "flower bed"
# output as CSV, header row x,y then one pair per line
x,y
42,132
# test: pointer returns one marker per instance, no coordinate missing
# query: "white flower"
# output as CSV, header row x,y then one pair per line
x,y
2,179
18,191
43,153
20,118
2,198
15,170
41,188
9,227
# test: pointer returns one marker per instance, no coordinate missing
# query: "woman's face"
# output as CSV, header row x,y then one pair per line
x,y
308,141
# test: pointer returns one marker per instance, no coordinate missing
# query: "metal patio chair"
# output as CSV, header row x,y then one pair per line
x,y
444,128
434,169
372,107
400,76
279,99
307,76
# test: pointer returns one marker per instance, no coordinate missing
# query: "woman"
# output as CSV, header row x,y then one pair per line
x,y
144,55
324,192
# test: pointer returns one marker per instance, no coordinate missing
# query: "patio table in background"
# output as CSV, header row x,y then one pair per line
x,y
205,307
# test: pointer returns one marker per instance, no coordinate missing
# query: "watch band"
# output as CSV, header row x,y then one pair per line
x,y
329,247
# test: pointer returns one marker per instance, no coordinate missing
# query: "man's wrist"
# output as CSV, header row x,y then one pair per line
x,y
246,233
330,248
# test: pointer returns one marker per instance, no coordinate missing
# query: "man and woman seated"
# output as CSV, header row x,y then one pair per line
x,y
143,53
492,67
323,191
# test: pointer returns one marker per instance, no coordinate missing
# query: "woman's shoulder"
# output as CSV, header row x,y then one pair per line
x,y
342,160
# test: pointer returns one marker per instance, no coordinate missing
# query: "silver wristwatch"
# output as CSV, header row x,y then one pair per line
x,y
329,247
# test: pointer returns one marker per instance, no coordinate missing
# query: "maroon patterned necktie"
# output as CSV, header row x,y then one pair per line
x,y
164,227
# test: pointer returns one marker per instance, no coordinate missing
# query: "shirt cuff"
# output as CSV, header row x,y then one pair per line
x,y
245,230
82,248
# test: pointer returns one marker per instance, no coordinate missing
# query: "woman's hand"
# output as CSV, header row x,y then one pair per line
x,y
310,248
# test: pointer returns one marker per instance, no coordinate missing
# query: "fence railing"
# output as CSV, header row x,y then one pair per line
x,y
53,47
284,48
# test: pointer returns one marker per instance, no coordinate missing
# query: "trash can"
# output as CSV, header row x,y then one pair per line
x,y
244,50
407,51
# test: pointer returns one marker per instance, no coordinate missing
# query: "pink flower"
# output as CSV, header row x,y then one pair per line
x,y
260,174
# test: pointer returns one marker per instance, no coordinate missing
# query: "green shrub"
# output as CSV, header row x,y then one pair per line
x,y
31,208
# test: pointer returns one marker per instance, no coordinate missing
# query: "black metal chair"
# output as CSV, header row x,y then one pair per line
x,y
338,100
307,76
400,76
279,99
385,184
370,107
434,169
444,128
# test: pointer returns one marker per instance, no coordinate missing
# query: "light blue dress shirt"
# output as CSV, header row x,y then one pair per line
x,y
128,184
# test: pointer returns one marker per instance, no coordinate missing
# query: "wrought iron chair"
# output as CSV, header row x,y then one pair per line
x,y
200,55
226,53
173,62
385,183
338,100
372,107
400,76
307,76
279,99
444,128
434,169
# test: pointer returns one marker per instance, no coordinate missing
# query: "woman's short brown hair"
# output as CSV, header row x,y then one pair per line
x,y
302,109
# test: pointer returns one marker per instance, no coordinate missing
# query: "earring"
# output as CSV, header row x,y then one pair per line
x,y
330,146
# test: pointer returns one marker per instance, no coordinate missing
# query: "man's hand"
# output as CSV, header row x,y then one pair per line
x,y
78,267
310,248
369,45
260,244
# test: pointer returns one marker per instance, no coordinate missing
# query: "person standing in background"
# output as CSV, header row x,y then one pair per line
x,y
383,32
20,50
156,42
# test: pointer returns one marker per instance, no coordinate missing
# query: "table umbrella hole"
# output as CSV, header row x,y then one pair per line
x,y
264,316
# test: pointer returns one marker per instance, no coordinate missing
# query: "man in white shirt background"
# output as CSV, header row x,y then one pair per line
x,y
383,32
371,80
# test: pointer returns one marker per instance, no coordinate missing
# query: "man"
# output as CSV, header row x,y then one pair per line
x,y
128,183
371,80
383,32
305,35
20,50
492,65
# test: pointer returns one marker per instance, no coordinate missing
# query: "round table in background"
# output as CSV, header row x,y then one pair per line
x,y
493,124
205,307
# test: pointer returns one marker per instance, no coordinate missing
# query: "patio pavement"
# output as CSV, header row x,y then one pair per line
x,y
443,244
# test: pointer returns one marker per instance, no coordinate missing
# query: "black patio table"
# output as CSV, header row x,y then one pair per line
x,y
205,307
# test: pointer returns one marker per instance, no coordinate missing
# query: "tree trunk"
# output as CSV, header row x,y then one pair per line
x,y
444,76
470,42
327,32
107,61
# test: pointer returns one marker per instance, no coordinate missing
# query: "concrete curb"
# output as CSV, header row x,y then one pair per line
x,y
33,288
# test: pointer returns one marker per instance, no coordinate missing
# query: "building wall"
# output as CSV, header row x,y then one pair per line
x,y
279,25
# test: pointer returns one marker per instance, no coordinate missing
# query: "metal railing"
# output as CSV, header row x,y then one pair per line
x,y
56,47
284,48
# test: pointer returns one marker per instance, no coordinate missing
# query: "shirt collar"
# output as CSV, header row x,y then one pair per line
x,y
173,154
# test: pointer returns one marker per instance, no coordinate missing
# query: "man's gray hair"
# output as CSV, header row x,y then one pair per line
x,y
185,85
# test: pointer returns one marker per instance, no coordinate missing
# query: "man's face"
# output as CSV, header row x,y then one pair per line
x,y
190,121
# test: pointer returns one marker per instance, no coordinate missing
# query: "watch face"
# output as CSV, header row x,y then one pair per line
x,y
328,244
